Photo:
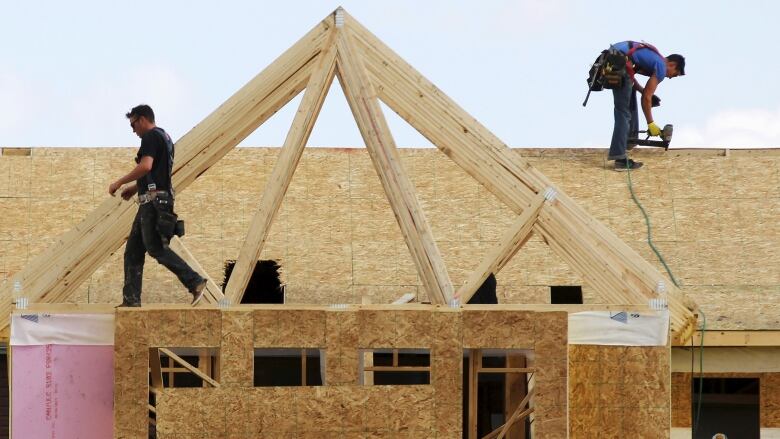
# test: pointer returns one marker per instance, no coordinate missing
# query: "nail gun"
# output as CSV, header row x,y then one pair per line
x,y
666,138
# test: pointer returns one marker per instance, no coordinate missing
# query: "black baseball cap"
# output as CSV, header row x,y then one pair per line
x,y
680,60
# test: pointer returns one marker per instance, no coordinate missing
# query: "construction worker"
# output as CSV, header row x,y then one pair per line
x,y
643,59
152,183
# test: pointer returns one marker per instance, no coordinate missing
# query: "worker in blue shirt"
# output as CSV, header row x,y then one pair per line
x,y
644,59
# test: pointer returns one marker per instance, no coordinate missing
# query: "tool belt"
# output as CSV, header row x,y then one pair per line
x,y
608,71
168,223
150,196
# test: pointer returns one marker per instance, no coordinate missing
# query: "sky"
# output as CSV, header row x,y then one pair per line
x,y
70,70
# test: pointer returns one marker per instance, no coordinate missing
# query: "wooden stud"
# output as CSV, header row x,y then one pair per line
x,y
516,387
303,367
475,364
155,369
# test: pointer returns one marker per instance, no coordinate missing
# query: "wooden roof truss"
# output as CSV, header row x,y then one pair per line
x,y
369,72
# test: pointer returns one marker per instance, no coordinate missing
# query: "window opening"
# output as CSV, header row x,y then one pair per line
x,y
384,367
566,294
288,367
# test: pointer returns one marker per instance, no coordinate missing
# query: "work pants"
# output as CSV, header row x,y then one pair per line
x,y
145,238
626,121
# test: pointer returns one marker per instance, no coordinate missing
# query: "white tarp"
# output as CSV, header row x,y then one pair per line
x,y
62,329
624,328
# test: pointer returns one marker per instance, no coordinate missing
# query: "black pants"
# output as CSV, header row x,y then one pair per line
x,y
145,238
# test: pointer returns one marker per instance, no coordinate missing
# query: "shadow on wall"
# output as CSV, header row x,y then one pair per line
x,y
264,286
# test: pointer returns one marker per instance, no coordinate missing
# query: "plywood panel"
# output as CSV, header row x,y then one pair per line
x,y
714,222
619,391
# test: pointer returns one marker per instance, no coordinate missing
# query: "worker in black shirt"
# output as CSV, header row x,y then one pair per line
x,y
152,176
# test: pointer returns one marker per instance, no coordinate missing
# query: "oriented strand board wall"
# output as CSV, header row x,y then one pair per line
x,y
769,397
619,392
714,219
342,407
328,412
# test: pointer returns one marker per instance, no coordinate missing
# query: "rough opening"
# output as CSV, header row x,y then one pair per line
x,y
486,294
265,285
729,406
495,382
183,367
399,367
288,367
566,294
179,367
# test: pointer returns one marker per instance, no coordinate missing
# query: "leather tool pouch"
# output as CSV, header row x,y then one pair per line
x,y
166,218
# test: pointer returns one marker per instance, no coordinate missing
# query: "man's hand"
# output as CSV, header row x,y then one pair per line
x,y
655,101
112,188
128,192
653,130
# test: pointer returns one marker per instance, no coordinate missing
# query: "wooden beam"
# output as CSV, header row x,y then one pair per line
x,y
734,338
100,308
59,270
362,99
189,367
282,174
397,368
475,364
515,389
511,241
213,292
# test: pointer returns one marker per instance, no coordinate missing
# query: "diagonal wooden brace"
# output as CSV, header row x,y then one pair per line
x,y
512,240
282,174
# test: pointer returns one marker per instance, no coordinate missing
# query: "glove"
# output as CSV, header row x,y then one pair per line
x,y
653,130
655,101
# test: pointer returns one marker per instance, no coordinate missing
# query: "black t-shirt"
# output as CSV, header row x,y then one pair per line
x,y
156,144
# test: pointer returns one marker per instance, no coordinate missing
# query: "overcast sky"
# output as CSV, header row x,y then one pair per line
x,y
70,70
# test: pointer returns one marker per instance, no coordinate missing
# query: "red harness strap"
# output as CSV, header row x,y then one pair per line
x,y
633,47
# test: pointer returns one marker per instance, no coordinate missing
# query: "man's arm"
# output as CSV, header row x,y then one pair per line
x,y
141,169
647,98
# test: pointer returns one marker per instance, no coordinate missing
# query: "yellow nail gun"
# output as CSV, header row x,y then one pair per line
x,y
666,138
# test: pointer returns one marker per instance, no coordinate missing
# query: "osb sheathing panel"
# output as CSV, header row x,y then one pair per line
x,y
131,374
342,407
714,219
284,328
382,411
682,398
619,391
769,396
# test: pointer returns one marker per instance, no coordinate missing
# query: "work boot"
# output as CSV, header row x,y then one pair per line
x,y
627,164
126,304
197,293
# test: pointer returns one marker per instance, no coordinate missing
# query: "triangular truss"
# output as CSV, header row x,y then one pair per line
x,y
368,72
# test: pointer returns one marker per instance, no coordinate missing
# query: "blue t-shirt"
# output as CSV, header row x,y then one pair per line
x,y
647,61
